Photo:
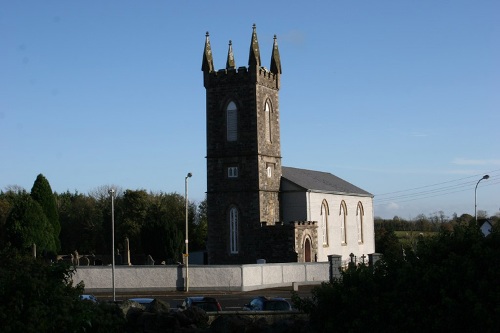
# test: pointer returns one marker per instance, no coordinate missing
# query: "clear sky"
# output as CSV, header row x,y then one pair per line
x,y
400,98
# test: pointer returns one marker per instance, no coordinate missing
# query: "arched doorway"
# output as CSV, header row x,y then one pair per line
x,y
307,250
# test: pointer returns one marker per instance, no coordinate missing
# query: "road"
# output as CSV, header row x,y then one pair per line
x,y
230,301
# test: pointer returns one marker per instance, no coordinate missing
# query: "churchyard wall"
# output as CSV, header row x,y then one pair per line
x,y
202,277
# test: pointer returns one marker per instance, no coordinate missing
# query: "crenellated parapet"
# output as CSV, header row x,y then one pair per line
x,y
255,73
262,76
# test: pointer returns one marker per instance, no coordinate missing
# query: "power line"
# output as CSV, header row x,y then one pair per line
x,y
430,192
432,196
445,189
450,181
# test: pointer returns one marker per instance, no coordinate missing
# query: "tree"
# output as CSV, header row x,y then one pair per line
x,y
81,224
131,217
482,214
449,283
161,236
200,228
102,200
27,225
42,193
387,243
40,297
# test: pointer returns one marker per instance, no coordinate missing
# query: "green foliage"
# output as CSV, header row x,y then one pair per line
x,y
40,297
37,297
161,237
198,236
42,193
131,216
386,242
5,207
81,224
154,223
27,225
106,318
449,283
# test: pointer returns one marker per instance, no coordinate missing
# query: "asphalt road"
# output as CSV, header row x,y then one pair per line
x,y
230,300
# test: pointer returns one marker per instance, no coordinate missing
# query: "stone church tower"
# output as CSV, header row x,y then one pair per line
x,y
243,153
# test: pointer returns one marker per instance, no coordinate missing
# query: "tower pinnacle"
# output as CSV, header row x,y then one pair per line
x,y
254,57
208,61
275,58
230,63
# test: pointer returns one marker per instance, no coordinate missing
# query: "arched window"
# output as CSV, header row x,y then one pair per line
x,y
233,230
359,221
324,222
268,122
307,250
343,217
232,121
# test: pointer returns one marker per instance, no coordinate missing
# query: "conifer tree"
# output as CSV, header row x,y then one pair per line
x,y
27,225
42,193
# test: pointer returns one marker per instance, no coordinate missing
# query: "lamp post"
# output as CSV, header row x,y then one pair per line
x,y
187,232
112,193
475,195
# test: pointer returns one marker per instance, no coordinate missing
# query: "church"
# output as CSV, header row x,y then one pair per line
x,y
259,210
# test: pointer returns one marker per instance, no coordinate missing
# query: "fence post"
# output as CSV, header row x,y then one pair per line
x,y
334,261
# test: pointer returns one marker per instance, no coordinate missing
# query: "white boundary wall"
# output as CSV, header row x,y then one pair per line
x,y
223,277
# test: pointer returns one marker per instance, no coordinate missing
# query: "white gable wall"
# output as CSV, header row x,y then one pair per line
x,y
352,245
297,205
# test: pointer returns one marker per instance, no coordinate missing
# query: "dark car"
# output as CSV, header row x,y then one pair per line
x,y
145,302
209,304
88,297
262,303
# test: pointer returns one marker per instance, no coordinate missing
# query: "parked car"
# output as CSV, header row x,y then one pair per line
x,y
146,302
88,297
262,303
209,304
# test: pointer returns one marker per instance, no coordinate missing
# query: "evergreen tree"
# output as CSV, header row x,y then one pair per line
x,y
42,193
27,225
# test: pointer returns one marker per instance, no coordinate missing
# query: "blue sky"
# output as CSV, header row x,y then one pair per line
x,y
400,98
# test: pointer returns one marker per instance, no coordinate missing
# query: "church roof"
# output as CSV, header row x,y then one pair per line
x,y
317,181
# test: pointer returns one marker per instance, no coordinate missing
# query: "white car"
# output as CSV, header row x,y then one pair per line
x,y
88,297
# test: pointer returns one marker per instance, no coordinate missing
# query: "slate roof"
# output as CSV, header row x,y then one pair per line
x,y
317,181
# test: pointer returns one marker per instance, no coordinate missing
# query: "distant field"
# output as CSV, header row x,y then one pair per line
x,y
407,237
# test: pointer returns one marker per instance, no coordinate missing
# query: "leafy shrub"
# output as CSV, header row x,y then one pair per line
x,y
449,283
40,297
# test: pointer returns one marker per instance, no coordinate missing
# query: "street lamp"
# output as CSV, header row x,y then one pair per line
x,y
475,195
187,237
112,193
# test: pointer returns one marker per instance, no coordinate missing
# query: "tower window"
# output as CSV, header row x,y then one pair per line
x,y
232,122
232,172
269,169
267,112
233,230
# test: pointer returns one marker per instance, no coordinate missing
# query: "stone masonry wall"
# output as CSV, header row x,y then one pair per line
x,y
253,193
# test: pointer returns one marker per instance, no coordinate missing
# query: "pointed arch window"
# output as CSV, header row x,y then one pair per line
x,y
359,221
267,120
307,250
232,121
233,230
343,218
324,222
